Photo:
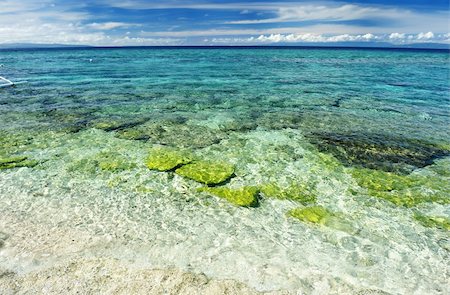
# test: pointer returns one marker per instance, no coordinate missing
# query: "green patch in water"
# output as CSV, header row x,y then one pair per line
x,y
103,161
384,181
314,214
403,190
298,192
113,162
207,172
245,196
16,162
321,216
411,198
173,133
433,221
14,142
166,159
13,159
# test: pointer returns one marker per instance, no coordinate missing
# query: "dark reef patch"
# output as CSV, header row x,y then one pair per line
x,y
173,132
378,151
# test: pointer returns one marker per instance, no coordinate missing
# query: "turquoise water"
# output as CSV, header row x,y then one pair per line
x,y
364,132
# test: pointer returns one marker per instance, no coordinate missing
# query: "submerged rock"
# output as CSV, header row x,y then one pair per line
x,y
322,216
384,181
280,120
403,190
173,133
245,196
377,151
111,161
315,214
433,221
103,161
68,120
207,172
113,124
14,159
301,193
15,162
411,198
165,159
11,143
441,167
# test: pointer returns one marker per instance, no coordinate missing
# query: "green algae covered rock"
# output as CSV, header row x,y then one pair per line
x,y
411,198
12,143
296,192
14,159
433,221
111,161
15,162
166,159
322,216
104,161
384,181
314,214
207,172
403,190
173,132
245,196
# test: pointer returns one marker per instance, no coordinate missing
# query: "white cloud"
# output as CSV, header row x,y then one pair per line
x,y
425,36
393,18
397,36
110,25
55,24
320,38
277,38
319,12
47,21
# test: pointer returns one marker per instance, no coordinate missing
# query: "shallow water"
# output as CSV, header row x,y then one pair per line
x,y
281,116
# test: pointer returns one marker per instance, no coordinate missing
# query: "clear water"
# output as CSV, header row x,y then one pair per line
x,y
279,115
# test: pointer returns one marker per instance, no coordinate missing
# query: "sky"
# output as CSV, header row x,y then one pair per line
x,y
220,22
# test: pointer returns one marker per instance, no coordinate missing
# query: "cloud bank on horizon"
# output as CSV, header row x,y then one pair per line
x,y
220,22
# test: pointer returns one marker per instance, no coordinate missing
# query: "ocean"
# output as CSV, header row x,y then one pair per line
x,y
308,170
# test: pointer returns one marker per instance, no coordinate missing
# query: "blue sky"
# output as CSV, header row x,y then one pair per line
x,y
219,22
